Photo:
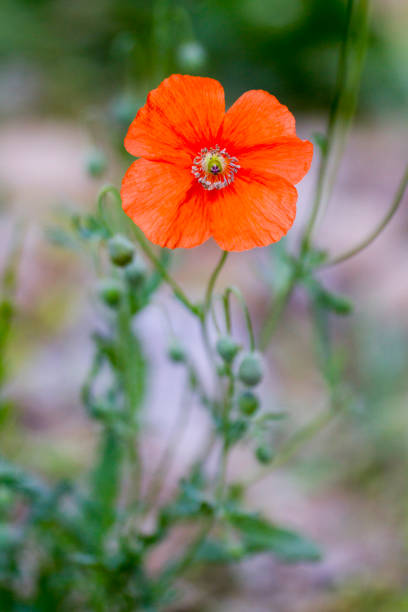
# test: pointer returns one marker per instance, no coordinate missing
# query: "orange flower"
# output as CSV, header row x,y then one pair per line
x,y
204,172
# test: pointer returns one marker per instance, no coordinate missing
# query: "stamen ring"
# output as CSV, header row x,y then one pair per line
x,y
214,168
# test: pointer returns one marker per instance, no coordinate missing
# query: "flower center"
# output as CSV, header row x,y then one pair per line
x,y
214,168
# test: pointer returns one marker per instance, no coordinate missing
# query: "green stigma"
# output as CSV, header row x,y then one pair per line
x,y
214,164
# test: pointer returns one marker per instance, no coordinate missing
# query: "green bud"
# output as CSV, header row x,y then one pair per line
x,y
248,403
110,292
95,163
250,369
176,352
227,348
264,454
121,250
135,273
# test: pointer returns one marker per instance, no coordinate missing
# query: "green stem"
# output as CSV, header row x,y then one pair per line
x,y
181,564
365,243
350,66
212,281
208,301
173,444
294,443
227,310
275,313
177,290
229,394
149,252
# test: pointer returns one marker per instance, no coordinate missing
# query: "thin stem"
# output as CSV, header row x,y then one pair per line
x,y
227,310
367,241
330,129
212,281
229,394
179,566
274,316
208,301
207,448
177,290
294,443
350,66
145,246
167,458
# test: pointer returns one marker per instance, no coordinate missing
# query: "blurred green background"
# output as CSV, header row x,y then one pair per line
x,y
69,54
72,76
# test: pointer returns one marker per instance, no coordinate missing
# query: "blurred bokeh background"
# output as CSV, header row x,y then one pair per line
x,y
72,76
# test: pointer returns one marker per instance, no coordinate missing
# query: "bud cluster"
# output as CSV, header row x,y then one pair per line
x,y
128,276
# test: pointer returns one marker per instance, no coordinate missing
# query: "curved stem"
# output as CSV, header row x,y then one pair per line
x,y
365,243
294,443
350,67
208,300
212,281
330,130
273,318
235,291
148,251
173,444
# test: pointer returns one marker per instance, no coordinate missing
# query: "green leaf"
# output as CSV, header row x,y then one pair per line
x,y
335,302
258,535
215,551
327,299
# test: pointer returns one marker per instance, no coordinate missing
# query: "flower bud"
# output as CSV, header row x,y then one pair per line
x,y
121,250
176,352
135,273
248,403
227,348
264,454
110,292
95,163
250,369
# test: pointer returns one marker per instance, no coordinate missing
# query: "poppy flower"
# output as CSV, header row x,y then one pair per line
x,y
205,172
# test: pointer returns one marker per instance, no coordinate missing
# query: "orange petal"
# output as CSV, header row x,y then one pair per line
x,y
167,205
251,213
288,157
180,117
256,118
